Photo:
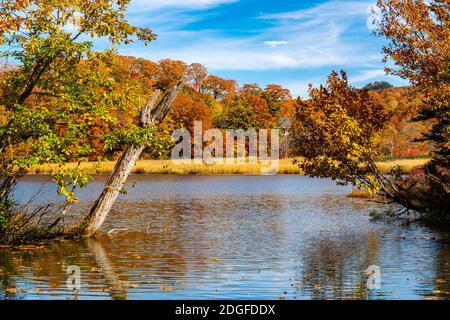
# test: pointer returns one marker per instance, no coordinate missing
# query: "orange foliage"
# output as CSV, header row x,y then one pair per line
x,y
398,137
190,107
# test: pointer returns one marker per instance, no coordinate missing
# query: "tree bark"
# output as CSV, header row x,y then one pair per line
x,y
151,114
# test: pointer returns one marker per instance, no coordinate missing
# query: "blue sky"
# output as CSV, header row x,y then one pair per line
x,y
289,42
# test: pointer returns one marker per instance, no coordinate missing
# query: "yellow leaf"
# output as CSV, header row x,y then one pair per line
x,y
166,288
215,259
15,290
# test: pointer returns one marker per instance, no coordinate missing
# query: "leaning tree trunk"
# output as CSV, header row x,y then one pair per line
x,y
151,114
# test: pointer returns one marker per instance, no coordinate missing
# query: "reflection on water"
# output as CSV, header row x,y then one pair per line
x,y
231,238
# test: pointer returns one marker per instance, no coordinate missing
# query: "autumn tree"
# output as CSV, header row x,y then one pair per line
x,y
255,100
170,71
59,90
276,96
418,33
339,124
237,115
197,75
190,107
334,132
219,88
398,138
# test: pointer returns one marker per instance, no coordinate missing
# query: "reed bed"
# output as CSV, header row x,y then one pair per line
x,y
286,166
405,164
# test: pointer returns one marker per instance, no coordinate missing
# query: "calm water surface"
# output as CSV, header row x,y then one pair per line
x,y
195,237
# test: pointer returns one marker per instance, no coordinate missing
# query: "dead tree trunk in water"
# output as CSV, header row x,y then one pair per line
x,y
151,114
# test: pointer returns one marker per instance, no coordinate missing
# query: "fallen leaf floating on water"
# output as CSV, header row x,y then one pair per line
x,y
440,281
122,284
317,286
30,247
215,259
167,289
15,290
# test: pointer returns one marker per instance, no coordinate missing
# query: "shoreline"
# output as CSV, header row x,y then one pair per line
x,y
168,167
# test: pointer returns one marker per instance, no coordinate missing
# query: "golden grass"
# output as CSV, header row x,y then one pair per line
x,y
169,167
405,164
364,194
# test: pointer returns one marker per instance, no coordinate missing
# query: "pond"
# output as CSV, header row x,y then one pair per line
x,y
231,237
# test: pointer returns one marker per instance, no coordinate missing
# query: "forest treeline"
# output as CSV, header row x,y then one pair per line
x,y
222,103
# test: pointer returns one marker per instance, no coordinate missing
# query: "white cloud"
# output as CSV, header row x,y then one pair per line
x,y
300,88
327,10
356,78
289,48
225,54
370,75
151,5
295,47
367,75
274,44
322,36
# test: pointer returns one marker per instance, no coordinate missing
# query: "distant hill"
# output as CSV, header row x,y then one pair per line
x,y
378,85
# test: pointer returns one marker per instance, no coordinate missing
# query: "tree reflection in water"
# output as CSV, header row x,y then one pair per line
x,y
237,238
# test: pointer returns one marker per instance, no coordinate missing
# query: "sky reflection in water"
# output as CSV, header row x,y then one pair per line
x,y
195,237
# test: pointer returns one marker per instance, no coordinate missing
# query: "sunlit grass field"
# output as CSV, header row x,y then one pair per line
x,y
286,166
405,164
